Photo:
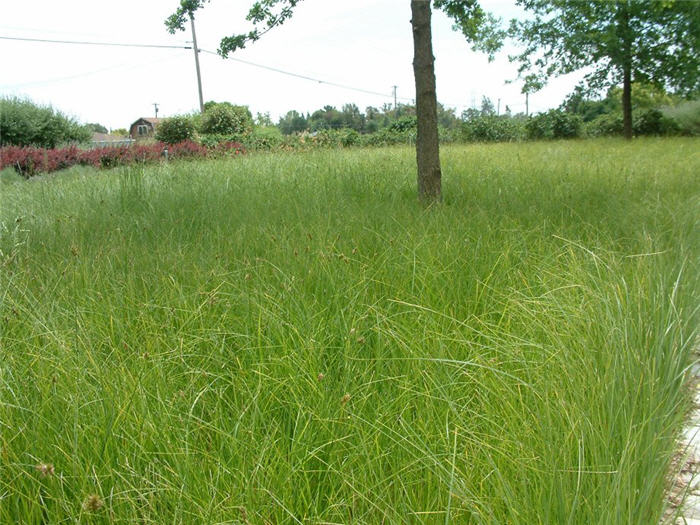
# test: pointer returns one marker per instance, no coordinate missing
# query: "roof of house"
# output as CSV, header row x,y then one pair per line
x,y
153,121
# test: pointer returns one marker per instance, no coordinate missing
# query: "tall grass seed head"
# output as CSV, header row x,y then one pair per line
x,y
93,503
45,469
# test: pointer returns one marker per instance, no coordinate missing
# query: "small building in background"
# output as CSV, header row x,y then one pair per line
x,y
144,128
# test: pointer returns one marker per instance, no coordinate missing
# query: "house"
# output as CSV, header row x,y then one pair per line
x,y
144,127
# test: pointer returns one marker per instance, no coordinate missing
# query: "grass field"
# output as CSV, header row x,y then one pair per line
x,y
295,339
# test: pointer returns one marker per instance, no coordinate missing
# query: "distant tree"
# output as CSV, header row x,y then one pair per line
x,y
326,118
580,103
353,118
476,25
120,132
487,107
446,117
226,119
96,128
292,122
644,97
621,41
263,119
24,123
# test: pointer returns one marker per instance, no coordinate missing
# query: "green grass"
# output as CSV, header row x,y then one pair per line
x,y
295,339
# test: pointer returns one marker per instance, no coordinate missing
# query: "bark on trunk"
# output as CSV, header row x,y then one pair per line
x,y
427,147
627,103
626,38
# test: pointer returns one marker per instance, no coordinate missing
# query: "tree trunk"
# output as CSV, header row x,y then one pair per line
x,y
625,36
427,147
627,102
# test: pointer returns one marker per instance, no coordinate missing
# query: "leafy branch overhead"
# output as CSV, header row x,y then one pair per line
x,y
480,28
264,14
656,41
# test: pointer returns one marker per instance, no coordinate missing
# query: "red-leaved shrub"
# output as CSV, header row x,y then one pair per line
x,y
28,161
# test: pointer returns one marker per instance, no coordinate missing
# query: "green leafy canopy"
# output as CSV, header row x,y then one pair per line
x,y
481,29
658,41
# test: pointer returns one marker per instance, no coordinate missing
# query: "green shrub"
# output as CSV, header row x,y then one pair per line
x,y
389,137
554,124
405,124
225,118
493,128
654,122
260,139
349,137
23,123
686,115
605,125
176,129
267,137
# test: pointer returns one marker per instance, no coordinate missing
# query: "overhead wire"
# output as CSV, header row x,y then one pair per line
x,y
239,60
87,43
247,62
297,75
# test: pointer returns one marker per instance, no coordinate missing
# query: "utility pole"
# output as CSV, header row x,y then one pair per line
x,y
394,96
498,110
155,105
196,63
527,103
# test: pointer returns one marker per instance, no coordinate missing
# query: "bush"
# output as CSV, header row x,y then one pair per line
x,y
686,116
492,128
23,123
647,122
604,126
265,138
654,122
554,124
28,161
389,137
226,119
404,124
176,129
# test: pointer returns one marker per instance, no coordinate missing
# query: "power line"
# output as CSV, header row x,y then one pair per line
x,y
304,77
85,43
247,62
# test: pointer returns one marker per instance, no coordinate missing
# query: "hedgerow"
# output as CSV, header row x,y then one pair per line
x,y
30,161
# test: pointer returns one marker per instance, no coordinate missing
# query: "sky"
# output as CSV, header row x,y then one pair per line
x,y
363,44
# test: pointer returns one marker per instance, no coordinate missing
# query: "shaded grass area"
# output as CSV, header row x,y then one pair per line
x,y
294,339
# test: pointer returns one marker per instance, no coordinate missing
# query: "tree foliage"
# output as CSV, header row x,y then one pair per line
x,y
95,127
226,119
660,41
176,129
24,123
618,41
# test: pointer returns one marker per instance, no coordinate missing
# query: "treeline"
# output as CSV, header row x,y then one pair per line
x,y
656,112
373,119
